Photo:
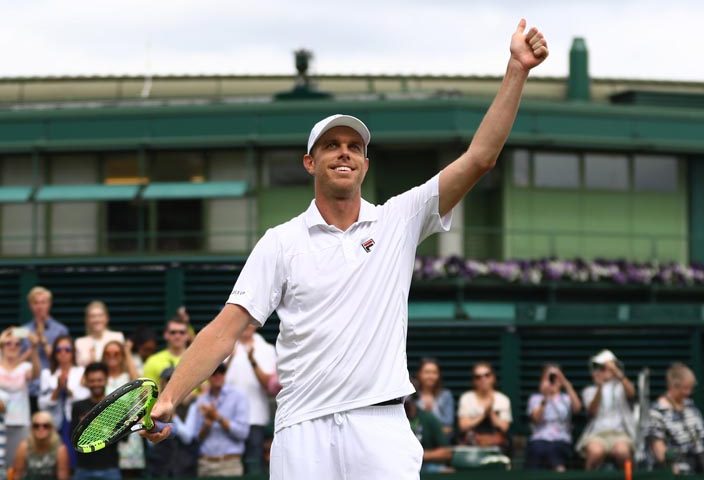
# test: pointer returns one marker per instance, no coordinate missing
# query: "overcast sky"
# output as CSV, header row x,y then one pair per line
x,y
626,38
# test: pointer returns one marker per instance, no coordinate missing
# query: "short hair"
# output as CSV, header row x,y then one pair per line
x,y
678,373
175,319
483,363
95,367
38,290
142,335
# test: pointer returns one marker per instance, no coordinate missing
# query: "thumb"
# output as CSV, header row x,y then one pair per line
x,y
521,26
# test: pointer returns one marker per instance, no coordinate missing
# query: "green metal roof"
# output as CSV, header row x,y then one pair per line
x,y
86,193
174,190
15,194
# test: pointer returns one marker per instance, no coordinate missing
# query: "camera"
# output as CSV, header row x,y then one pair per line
x,y
552,378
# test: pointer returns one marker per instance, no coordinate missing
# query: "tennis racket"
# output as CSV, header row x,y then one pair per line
x,y
124,411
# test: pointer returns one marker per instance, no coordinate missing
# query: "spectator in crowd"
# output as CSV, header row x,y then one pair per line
x,y
176,336
182,313
484,414
219,419
250,367
89,348
101,464
3,434
611,428
143,347
427,428
118,359
42,456
61,385
675,432
550,412
432,397
15,378
177,456
46,329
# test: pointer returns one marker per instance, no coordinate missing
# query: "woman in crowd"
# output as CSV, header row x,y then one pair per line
x,y
90,348
432,397
42,456
484,414
611,429
61,385
15,376
550,412
118,358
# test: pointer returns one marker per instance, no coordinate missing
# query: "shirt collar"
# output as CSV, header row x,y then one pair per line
x,y
312,216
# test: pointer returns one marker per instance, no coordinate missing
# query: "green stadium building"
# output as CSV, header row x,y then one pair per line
x,y
148,193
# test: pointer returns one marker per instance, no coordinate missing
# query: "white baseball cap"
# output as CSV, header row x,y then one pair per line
x,y
339,120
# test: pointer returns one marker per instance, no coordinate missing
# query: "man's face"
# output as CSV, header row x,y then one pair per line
x,y
176,335
338,163
96,382
217,379
40,304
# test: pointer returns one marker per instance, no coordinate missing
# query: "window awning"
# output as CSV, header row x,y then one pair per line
x,y
492,312
86,193
431,310
182,190
15,194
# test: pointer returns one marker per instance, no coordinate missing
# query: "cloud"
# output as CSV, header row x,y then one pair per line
x,y
630,38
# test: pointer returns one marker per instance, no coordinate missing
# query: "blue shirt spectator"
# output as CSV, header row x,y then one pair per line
x,y
45,327
220,420
229,424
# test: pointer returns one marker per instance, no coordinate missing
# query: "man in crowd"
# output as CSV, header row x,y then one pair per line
x,y
675,430
104,463
176,336
47,330
219,419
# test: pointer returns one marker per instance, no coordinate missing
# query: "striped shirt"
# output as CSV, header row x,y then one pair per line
x,y
681,430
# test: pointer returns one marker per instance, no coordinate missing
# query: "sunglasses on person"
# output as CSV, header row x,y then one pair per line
x,y
478,376
177,332
41,426
12,344
64,349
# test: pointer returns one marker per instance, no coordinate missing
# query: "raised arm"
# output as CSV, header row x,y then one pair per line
x,y
527,51
210,347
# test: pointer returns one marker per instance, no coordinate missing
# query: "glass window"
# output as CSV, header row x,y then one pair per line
x,y
179,225
521,168
177,167
556,170
284,168
605,171
124,220
122,169
655,173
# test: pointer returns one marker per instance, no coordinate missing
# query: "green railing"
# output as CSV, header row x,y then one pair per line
x,y
477,242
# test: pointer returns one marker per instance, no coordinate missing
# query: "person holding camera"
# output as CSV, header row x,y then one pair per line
x,y
611,429
675,432
550,411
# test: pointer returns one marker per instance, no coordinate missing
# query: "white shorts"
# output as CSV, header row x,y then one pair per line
x,y
371,443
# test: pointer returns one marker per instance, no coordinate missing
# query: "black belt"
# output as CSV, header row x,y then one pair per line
x,y
393,401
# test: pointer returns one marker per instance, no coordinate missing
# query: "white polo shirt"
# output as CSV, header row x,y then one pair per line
x,y
342,299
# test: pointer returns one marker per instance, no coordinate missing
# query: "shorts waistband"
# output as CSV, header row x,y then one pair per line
x,y
393,401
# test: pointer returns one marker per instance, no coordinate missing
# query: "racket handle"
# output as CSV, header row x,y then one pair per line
x,y
159,426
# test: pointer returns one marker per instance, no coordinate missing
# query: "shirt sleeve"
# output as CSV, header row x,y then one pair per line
x,y
260,284
534,402
46,387
446,408
191,425
656,424
588,395
419,206
503,406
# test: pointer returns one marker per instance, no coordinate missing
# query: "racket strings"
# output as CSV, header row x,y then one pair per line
x,y
114,419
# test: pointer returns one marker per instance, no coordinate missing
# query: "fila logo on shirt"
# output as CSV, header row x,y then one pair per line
x,y
367,245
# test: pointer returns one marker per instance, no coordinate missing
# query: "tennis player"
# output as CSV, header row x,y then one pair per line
x,y
338,276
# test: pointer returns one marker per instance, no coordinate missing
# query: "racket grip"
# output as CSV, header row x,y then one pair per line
x,y
159,426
